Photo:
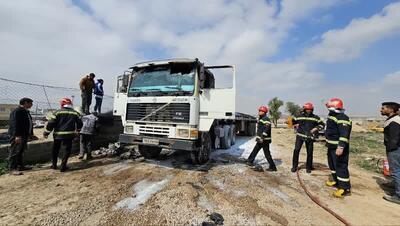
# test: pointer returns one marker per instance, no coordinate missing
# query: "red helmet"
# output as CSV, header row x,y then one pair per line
x,y
263,109
308,106
335,103
65,101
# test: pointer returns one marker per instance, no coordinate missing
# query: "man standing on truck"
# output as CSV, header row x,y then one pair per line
x,y
392,143
263,139
20,131
307,126
66,123
87,133
86,85
337,133
98,95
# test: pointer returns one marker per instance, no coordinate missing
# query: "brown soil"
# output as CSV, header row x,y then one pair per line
x,y
88,194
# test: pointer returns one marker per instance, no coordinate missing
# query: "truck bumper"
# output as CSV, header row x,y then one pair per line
x,y
187,145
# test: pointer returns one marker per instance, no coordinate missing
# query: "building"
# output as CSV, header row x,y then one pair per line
x,y
5,111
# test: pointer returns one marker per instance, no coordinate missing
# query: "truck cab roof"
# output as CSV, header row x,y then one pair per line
x,y
163,62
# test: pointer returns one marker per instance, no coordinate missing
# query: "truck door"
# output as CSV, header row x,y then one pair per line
x,y
216,103
121,94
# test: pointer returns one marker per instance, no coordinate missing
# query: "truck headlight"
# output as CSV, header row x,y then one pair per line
x,y
128,129
194,133
184,133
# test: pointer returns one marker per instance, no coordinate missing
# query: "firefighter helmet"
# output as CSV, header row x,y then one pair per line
x,y
308,106
65,101
335,103
263,109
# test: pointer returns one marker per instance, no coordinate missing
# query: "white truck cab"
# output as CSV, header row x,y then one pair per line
x,y
174,104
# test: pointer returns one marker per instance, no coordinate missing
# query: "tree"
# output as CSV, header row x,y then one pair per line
x,y
293,109
274,112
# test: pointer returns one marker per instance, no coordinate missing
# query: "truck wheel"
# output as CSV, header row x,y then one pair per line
x,y
251,129
226,140
149,152
233,134
202,154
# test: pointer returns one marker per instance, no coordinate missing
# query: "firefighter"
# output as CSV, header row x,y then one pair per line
x,y
307,126
337,133
66,124
263,139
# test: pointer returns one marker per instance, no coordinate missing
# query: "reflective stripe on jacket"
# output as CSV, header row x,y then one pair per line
x,y
264,128
338,129
65,123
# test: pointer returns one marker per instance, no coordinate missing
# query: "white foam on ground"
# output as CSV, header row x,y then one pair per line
x,y
117,168
143,190
243,148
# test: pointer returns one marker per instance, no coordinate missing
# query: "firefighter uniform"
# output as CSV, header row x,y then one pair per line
x,y
306,122
263,139
65,124
337,133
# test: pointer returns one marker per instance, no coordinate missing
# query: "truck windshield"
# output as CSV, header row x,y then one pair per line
x,y
163,80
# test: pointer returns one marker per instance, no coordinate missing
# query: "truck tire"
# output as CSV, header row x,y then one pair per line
x,y
251,129
149,152
226,140
233,135
202,154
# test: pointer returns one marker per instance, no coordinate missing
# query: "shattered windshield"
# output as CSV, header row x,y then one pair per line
x,y
163,80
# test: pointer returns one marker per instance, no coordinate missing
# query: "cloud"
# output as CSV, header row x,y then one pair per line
x,y
392,79
348,43
56,43
60,41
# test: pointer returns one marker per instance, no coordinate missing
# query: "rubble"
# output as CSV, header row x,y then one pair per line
x,y
112,150
217,218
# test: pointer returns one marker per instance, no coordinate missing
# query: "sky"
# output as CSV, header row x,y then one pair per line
x,y
299,51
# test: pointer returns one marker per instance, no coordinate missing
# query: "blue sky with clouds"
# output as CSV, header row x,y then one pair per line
x,y
300,51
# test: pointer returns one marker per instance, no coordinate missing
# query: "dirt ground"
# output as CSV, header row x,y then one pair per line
x,y
109,191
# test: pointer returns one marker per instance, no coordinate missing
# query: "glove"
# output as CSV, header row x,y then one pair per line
x,y
258,140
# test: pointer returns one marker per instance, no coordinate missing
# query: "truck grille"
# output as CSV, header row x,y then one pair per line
x,y
153,130
176,112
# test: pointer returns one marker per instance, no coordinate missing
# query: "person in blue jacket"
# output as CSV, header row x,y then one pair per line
x,y
98,95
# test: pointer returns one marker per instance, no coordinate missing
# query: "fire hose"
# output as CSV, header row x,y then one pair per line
x,y
318,202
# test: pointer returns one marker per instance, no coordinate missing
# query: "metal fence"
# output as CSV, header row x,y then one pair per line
x,y
46,97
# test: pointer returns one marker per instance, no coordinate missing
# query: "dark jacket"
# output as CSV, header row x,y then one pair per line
x,y
306,123
98,89
338,129
392,133
65,122
86,84
20,123
264,128
90,125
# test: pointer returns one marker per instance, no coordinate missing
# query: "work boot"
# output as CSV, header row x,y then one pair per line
x,y
63,168
80,157
54,167
341,193
294,170
330,183
249,163
308,170
271,170
89,157
392,198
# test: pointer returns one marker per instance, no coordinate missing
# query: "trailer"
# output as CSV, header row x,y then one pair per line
x,y
174,104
